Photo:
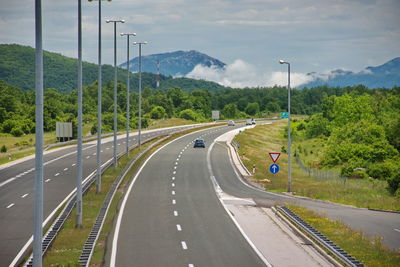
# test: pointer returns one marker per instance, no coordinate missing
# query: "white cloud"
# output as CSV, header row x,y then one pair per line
x,y
241,74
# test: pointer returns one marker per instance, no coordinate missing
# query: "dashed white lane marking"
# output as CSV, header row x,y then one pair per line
x,y
178,227
173,193
48,180
94,154
174,172
119,144
57,174
173,202
173,185
175,167
88,157
175,213
191,265
65,169
176,163
397,230
107,148
73,164
9,206
23,196
173,178
124,142
184,246
101,151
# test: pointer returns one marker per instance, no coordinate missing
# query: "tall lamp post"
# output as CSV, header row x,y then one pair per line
x,y
115,87
289,141
38,211
127,88
140,88
78,223
98,150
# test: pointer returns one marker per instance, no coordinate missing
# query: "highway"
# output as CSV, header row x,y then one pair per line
x,y
17,188
172,216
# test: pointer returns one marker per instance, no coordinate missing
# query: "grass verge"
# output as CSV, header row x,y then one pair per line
x,y
256,143
370,252
67,247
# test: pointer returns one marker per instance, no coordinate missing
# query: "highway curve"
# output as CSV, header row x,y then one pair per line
x,y
172,216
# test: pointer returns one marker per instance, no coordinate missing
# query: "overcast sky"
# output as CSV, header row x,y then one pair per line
x,y
313,35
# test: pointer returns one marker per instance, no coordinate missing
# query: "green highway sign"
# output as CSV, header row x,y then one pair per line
x,y
284,115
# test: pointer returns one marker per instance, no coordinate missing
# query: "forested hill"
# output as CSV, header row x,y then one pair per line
x,y
17,68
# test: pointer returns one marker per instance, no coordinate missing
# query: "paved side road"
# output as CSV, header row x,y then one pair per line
x,y
372,223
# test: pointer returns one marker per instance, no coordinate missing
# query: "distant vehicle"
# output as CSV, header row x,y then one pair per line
x,y
253,121
249,122
199,143
231,123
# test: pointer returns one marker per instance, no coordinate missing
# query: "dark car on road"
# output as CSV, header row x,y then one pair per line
x,y
199,143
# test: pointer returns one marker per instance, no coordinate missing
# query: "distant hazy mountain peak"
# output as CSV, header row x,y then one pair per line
x,y
176,63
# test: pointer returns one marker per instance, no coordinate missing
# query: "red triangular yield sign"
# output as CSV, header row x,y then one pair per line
x,y
274,156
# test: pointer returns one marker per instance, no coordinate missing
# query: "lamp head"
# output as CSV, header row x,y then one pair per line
x,y
282,62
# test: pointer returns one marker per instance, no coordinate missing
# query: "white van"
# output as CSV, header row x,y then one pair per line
x,y
231,123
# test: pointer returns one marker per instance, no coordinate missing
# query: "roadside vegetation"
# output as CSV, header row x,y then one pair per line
x,y
256,143
371,252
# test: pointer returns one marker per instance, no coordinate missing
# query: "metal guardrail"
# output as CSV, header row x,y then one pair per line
x,y
320,238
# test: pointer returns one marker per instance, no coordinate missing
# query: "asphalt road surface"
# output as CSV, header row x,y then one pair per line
x,y
172,216
373,223
17,189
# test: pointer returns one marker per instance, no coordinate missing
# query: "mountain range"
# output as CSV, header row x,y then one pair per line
x,y
17,68
386,75
177,63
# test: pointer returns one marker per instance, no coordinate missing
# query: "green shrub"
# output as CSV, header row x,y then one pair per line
x,y
382,170
3,149
394,183
17,132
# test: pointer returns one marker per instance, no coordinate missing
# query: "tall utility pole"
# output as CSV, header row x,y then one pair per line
x,y
140,90
98,150
289,139
78,223
38,211
127,89
115,88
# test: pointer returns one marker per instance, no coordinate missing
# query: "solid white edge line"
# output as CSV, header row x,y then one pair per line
x,y
260,255
122,208
28,243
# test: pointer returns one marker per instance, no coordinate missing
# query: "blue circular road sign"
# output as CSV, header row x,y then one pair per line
x,y
274,168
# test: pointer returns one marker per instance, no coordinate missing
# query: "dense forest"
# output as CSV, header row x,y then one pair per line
x,y
361,133
17,68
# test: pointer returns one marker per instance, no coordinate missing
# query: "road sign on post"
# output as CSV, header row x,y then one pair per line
x,y
274,168
284,115
274,156
215,114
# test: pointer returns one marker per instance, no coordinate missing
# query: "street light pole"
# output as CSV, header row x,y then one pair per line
x,y
127,89
78,223
115,88
38,213
140,90
98,150
289,139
